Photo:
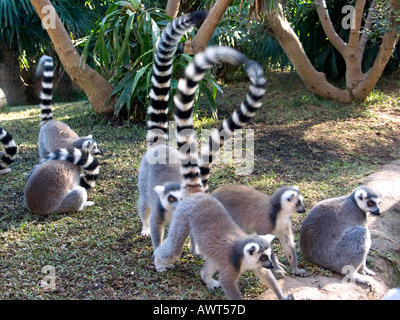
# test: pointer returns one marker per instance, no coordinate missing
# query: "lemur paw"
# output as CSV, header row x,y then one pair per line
x,y
213,284
288,297
5,171
367,271
89,203
280,273
300,273
161,265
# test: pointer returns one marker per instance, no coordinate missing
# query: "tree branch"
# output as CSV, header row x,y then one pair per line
x,y
314,80
354,37
385,51
206,30
172,8
367,27
327,25
96,88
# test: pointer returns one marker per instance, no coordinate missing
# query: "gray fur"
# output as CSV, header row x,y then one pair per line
x,y
165,170
335,234
151,174
46,192
54,134
224,246
258,213
56,185
220,242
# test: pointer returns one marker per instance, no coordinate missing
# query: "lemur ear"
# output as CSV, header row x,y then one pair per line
x,y
159,190
90,136
288,195
251,248
360,194
269,238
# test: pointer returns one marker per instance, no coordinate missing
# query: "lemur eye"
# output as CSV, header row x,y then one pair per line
x,y
171,199
264,258
370,203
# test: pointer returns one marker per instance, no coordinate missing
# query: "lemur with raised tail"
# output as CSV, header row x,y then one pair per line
x,y
10,150
239,118
56,134
226,248
159,166
57,186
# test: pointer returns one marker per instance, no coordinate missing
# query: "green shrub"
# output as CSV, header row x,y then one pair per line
x,y
122,48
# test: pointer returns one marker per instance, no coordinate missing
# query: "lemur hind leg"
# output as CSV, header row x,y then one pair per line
x,y
75,200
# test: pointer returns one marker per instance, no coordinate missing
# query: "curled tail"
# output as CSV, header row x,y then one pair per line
x,y
162,70
238,119
196,172
7,157
82,158
45,69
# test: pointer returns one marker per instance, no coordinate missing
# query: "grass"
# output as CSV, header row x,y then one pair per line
x,y
323,147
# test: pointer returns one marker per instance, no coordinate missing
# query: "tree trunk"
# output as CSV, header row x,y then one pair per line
x,y
172,8
208,27
350,52
358,84
388,44
314,80
93,84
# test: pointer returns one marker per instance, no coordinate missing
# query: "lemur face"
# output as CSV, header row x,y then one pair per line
x,y
367,201
257,256
292,201
90,145
170,195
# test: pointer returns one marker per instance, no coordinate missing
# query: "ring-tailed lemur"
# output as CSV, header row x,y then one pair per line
x,y
56,134
159,166
256,212
224,246
187,87
335,233
10,150
56,184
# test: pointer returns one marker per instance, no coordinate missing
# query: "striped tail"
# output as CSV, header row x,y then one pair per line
x,y
196,172
161,78
7,157
82,158
238,119
45,69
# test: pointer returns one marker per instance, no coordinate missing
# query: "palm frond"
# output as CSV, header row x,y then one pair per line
x,y
21,28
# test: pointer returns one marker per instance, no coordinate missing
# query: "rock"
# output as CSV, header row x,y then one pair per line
x,y
385,229
327,288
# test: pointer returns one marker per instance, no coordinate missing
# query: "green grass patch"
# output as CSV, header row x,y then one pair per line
x,y
323,147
